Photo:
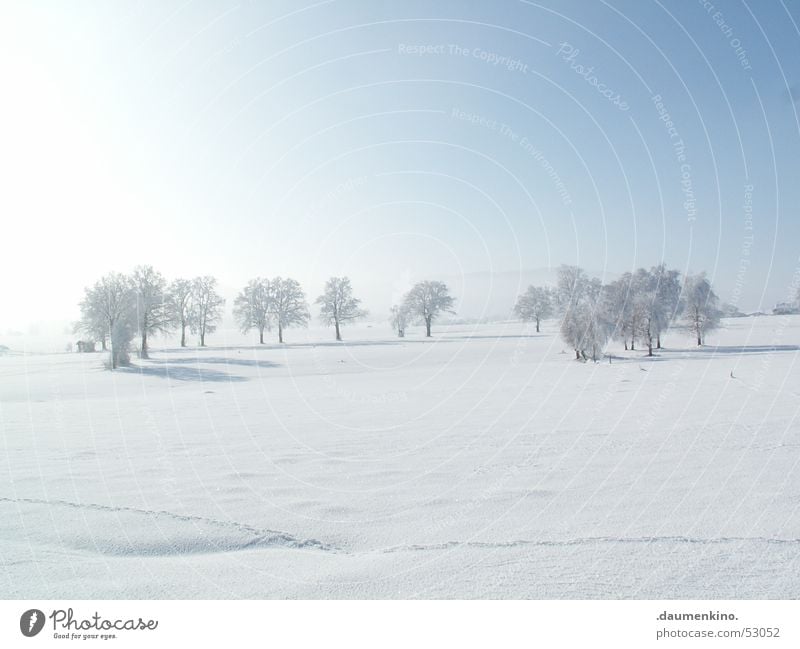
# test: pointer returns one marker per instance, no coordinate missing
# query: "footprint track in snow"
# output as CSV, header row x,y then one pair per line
x,y
205,535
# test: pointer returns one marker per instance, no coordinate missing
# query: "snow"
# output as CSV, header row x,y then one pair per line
x,y
482,463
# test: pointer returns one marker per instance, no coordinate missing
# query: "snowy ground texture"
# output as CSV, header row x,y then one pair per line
x,y
484,463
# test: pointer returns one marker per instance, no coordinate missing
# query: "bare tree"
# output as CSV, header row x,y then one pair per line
x,y
252,307
152,308
287,304
399,319
699,306
108,310
179,297
535,304
206,309
337,304
427,300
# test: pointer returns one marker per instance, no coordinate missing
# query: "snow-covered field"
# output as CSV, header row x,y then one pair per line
x,y
482,463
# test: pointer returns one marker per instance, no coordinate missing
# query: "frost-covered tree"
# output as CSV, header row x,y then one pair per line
x,y
645,309
206,307
152,307
667,295
535,305
619,306
179,299
427,300
699,305
585,323
337,304
643,304
92,322
399,319
599,325
251,309
287,304
109,310
122,334
571,284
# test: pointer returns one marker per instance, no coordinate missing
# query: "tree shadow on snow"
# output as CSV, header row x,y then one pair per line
x,y
311,345
751,349
219,360
181,373
698,353
482,336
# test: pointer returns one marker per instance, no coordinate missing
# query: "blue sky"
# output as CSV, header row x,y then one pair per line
x,y
397,141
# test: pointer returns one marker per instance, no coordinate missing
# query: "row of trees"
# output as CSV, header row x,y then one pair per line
x,y
639,307
118,307
280,303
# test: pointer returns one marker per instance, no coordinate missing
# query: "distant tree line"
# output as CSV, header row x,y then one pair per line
x,y
637,308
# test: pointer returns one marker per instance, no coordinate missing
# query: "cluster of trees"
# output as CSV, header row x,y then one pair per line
x,y
639,307
119,307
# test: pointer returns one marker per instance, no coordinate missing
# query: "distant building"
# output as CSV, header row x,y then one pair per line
x,y
85,346
785,308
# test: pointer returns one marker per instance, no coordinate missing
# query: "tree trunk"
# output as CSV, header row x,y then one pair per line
x,y
658,341
144,345
338,335
280,333
261,336
633,342
577,355
183,334
428,327
699,340
626,344
537,325
202,338
649,347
